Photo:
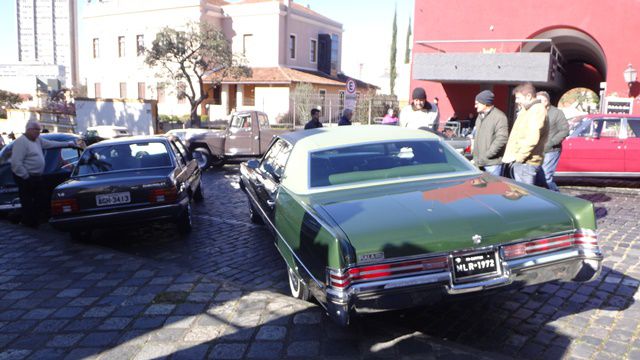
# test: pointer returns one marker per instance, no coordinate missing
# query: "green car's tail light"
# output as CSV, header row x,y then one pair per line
x,y
583,238
343,279
64,206
163,195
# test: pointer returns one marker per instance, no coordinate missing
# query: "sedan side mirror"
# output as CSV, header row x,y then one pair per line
x,y
253,164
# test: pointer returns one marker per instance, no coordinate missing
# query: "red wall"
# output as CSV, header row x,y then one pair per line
x,y
612,24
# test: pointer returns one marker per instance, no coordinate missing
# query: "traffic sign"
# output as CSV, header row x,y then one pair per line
x,y
351,86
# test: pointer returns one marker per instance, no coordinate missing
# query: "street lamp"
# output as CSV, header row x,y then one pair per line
x,y
630,75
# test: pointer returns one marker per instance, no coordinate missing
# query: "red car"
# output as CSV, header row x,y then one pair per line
x,y
602,145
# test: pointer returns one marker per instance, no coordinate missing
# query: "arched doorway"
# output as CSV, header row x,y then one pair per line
x,y
583,64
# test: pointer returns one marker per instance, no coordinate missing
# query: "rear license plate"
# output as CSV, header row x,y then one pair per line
x,y
113,199
472,265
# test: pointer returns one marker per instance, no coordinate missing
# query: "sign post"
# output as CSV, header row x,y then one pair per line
x,y
350,95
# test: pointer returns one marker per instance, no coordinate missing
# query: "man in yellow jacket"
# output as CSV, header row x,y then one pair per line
x,y
525,148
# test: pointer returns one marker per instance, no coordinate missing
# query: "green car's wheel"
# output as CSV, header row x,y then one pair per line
x,y
299,289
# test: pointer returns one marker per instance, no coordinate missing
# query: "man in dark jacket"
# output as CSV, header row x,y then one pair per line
x,y
315,120
492,133
558,130
347,114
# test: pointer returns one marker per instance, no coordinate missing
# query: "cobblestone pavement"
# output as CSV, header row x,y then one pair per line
x,y
218,293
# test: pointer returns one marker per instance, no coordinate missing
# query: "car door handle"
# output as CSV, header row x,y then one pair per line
x,y
271,203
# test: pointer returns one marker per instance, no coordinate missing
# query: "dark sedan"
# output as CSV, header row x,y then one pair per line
x,y
127,181
58,166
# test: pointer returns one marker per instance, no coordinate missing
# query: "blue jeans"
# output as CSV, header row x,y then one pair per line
x,y
495,170
549,168
524,173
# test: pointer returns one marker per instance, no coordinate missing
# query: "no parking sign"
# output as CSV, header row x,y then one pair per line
x,y
350,95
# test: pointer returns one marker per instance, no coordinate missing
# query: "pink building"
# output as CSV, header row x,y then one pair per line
x,y
463,47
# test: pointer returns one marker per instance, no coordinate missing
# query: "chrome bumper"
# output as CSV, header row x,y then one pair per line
x,y
575,264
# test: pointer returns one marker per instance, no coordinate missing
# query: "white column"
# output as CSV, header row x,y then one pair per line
x,y
239,96
224,98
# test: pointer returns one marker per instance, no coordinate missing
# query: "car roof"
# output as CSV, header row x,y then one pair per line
x,y
130,140
113,127
338,136
47,136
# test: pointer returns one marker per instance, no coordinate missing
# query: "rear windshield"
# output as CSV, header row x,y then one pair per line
x,y
122,157
389,160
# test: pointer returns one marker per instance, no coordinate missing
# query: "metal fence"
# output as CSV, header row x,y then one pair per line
x,y
368,110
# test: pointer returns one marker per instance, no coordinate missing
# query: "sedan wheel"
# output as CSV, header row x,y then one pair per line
x,y
184,222
203,157
80,235
298,288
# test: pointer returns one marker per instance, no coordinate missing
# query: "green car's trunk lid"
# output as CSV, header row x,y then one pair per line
x,y
413,219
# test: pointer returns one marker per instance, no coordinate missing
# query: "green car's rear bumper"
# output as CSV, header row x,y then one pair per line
x,y
574,264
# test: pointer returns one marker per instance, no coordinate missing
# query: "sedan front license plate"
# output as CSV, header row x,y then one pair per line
x,y
113,199
473,265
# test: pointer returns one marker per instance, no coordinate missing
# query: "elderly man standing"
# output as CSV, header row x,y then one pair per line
x,y
347,114
492,133
27,165
420,113
558,130
525,148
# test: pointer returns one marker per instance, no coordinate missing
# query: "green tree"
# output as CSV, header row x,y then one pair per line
x,y
407,53
8,100
304,98
185,57
394,52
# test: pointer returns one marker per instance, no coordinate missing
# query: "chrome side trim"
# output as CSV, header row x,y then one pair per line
x,y
10,206
266,217
81,217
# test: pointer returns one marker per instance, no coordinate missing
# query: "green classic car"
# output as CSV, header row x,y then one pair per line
x,y
374,218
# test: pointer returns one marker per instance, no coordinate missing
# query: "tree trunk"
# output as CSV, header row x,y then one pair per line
x,y
195,119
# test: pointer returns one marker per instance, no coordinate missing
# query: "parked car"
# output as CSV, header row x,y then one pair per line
x,y
247,135
378,218
94,134
603,146
59,163
128,181
460,143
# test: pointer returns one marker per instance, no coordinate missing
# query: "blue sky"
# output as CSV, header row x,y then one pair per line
x,y
367,30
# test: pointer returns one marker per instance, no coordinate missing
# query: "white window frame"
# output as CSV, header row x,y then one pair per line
x,y
295,46
244,43
313,48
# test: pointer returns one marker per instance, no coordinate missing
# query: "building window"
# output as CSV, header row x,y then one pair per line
x,y
292,46
182,88
96,48
140,45
123,90
246,43
313,51
97,90
160,94
335,44
120,46
141,90
249,95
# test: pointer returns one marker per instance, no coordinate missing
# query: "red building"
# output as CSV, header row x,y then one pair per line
x,y
465,46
